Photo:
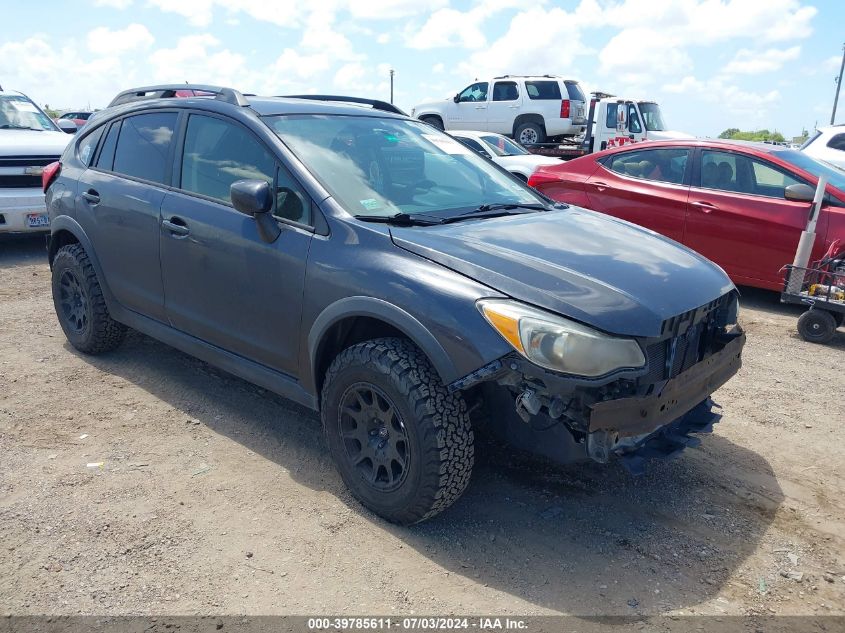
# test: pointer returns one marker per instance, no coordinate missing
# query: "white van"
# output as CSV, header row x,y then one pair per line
x,y
531,109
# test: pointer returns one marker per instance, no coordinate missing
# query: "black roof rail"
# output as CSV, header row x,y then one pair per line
x,y
168,91
374,103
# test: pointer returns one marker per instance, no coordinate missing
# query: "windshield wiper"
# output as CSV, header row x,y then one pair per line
x,y
7,126
496,210
403,219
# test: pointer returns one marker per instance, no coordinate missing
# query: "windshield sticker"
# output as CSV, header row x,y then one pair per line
x,y
371,204
446,144
23,106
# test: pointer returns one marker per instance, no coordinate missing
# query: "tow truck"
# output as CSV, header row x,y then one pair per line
x,y
612,122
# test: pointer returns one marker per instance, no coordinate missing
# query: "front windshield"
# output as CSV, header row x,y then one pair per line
x,y
652,116
502,146
18,112
834,175
382,166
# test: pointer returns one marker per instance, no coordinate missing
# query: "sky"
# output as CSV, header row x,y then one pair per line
x,y
711,64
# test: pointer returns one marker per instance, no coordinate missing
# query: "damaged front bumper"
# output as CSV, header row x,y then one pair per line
x,y
633,417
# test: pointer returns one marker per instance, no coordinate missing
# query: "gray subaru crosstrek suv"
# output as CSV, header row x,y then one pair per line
x,y
368,266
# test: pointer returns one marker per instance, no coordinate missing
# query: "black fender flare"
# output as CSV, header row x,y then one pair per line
x,y
67,223
361,306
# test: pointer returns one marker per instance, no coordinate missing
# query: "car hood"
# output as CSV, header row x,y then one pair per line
x,y
601,271
33,143
668,135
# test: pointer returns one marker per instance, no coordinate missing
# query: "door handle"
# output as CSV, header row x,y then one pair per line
x,y
177,227
91,196
601,186
704,207
480,107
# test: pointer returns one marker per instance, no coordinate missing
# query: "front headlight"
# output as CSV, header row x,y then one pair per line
x,y
557,343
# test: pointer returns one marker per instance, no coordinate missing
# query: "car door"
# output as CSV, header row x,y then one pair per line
x,y
503,107
470,110
644,186
738,217
222,283
118,202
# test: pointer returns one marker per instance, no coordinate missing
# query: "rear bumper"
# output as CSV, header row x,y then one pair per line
x,y
16,205
641,415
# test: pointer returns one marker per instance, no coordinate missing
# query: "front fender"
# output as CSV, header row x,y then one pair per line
x,y
403,321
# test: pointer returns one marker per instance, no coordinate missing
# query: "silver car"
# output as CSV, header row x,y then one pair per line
x,y
29,140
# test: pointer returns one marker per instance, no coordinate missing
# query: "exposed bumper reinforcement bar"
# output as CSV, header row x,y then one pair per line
x,y
639,415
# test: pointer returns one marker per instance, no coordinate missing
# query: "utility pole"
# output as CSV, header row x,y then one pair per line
x,y
838,86
392,72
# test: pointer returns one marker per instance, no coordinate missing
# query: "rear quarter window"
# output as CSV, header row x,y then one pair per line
x,y
543,90
87,145
574,90
837,142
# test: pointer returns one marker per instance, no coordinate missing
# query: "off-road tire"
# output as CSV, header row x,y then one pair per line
x,y
533,133
436,423
434,121
96,332
816,326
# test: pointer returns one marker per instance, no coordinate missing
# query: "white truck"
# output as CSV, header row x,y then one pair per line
x,y
612,122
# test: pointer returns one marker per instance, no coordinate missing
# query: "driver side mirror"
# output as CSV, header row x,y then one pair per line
x,y
799,193
456,98
254,198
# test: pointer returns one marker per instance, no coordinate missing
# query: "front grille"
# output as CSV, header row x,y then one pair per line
x,y
684,333
27,161
18,181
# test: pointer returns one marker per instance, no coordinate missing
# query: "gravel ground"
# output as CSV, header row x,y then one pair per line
x,y
147,482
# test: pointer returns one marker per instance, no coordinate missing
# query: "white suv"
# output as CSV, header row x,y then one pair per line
x,y
828,144
29,140
531,109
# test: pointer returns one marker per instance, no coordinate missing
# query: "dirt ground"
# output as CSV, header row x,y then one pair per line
x,y
147,482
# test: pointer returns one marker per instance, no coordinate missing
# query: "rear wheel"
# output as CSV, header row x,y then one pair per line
x,y
434,121
529,133
79,303
402,443
817,326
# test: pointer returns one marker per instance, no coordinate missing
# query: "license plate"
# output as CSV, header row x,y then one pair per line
x,y
36,220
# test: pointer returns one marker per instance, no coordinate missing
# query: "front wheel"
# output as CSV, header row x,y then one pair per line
x,y
817,326
402,443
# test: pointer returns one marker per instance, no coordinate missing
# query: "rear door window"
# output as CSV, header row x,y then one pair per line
x,y
505,91
543,90
661,165
144,144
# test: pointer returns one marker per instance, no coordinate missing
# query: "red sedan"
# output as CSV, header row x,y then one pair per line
x,y
742,205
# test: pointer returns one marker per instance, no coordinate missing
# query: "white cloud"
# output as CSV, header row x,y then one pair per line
x,y
114,4
194,59
104,41
383,38
448,27
832,63
753,62
391,9
197,12
728,96
349,76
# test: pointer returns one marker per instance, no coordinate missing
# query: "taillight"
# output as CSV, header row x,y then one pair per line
x,y
564,109
540,177
49,175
